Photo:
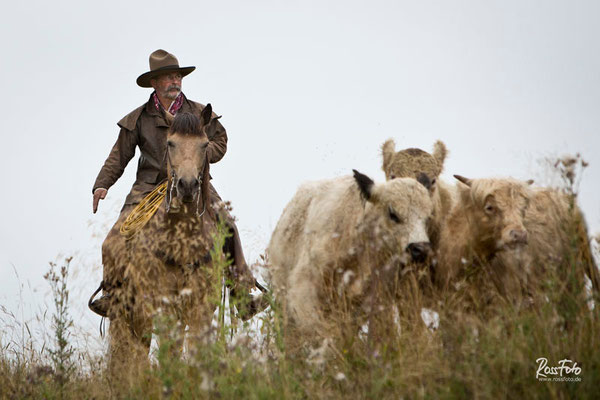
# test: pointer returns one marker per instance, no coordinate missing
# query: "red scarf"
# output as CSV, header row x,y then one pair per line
x,y
175,106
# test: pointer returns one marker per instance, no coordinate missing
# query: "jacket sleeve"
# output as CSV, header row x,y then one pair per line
x,y
217,146
120,155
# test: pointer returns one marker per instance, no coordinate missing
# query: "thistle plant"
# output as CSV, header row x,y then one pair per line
x,y
61,355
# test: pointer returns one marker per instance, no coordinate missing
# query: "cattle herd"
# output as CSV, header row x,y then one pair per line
x,y
337,239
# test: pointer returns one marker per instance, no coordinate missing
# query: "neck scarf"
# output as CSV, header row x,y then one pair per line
x,y
173,108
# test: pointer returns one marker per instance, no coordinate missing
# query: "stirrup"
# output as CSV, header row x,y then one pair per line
x,y
255,305
99,306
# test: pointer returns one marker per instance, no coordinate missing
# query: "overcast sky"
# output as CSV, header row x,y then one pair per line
x,y
307,90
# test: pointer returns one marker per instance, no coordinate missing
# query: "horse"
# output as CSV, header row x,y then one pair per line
x,y
171,269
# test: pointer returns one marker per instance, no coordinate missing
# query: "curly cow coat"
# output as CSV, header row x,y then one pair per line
x,y
416,163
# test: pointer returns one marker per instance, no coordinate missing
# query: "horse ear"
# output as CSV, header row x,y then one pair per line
x,y
365,184
464,180
206,114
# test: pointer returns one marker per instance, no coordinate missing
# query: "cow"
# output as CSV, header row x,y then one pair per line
x,y
418,164
335,236
515,232
557,240
486,219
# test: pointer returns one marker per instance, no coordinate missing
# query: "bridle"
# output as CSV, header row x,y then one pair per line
x,y
175,180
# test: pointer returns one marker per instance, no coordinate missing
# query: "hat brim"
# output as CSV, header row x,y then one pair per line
x,y
144,79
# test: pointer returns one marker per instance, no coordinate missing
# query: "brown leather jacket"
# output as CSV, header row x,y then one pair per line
x,y
146,128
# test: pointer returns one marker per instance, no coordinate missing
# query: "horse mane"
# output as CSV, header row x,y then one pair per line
x,y
187,124
205,188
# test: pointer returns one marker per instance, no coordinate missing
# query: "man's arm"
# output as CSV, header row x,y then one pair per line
x,y
120,155
217,147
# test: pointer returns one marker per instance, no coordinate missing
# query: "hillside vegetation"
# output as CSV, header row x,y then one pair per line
x,y
484,347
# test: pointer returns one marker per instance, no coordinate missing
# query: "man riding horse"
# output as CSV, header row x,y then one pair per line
x,y
146,127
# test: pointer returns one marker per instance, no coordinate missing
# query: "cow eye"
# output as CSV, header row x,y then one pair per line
x,y
170,143
433,181
392,176
489,209
393,216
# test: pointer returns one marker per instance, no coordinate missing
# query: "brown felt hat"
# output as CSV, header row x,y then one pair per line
x,y
161,62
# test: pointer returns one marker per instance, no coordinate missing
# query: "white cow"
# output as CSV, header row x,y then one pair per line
x,y
335,233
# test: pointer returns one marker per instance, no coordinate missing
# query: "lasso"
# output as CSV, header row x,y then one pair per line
x,y
142,213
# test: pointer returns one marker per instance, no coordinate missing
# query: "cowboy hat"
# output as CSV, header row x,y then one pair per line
x,y
161,62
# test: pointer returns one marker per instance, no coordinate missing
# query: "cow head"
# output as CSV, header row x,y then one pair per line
x,y
414,163
496,209
399,210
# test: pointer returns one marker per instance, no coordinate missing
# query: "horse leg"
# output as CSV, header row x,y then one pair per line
x,y
197,311
129,344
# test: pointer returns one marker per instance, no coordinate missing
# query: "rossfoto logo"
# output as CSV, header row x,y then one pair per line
x,y
566,371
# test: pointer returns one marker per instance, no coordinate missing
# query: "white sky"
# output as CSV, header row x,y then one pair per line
x,y
307,90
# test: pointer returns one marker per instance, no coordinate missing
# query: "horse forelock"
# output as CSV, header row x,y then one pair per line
x,y
187,124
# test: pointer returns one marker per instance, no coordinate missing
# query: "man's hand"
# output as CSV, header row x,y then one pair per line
x,y
99,194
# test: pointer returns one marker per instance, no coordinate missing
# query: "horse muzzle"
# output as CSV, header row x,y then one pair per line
x,y
188,189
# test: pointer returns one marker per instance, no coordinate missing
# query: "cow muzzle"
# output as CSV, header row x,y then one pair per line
x,y
419,251
515,237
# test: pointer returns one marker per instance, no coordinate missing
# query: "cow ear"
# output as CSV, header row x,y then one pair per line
x,y
529,182
365,184
206,114
388,149
439,153
464,180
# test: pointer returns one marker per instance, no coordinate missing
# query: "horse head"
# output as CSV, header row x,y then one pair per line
x,y
187,158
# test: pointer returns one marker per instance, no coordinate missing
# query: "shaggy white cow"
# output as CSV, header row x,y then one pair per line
x,y
335,233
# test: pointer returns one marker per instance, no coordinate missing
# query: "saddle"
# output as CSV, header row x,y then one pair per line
x,y
246,309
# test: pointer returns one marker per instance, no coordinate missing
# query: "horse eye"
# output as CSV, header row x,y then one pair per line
x,y
393,216
170,143
433,181
205,145
392,176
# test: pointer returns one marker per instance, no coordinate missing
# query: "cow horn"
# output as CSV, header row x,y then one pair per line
x,y
464,180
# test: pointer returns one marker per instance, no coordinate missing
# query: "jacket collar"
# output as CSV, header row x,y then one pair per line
x,y
159,118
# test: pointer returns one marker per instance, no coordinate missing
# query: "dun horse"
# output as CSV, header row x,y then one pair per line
x,y
170,269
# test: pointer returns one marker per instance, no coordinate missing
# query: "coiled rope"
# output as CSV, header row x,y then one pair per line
x,y
142,213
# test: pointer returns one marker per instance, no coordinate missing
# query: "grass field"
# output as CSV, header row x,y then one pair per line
x,y
486,347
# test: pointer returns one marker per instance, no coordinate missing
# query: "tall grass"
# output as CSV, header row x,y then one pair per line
x,y
486,347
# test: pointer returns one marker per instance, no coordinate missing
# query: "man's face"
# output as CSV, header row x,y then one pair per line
x,y
167,85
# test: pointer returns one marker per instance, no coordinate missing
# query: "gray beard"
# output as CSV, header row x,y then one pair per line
x,y
172,97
